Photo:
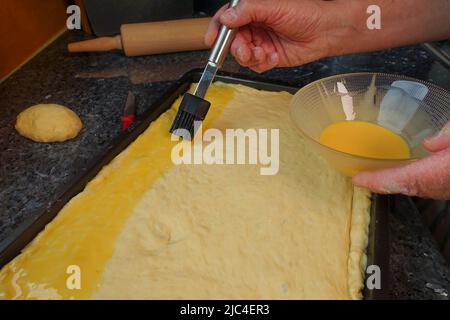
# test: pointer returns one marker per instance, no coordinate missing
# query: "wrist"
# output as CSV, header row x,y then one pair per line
x,y
344,23
406,22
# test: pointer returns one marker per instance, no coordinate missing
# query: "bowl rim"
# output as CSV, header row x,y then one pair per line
x,y
400,77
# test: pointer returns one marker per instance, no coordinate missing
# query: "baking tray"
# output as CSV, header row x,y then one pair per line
x,y
377,251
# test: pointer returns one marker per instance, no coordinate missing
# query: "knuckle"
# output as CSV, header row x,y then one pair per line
x,y
414,186
242,63
258,69
246,6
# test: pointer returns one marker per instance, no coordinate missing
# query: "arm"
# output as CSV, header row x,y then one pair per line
x,y
293,32
403,22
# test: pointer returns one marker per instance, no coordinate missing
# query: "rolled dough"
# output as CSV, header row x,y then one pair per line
x,y
226,232
146,229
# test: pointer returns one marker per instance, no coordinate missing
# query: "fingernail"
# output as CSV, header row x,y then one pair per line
x,y
359,180
273,58
393,188
444,131
434,137
387,186
431,138
240,53
230,15
206,40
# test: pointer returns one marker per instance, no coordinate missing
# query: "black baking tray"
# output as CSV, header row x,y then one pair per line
x,y
377,251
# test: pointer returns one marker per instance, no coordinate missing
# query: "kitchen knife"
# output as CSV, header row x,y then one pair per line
x,y
129,112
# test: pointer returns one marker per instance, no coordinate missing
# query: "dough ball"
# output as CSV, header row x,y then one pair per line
x,y
48,123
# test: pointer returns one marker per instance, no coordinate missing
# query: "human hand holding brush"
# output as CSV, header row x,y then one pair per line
x,y
273,33
284,33
287,33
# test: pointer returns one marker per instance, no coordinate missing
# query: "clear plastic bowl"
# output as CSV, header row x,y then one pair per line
x,y
412,108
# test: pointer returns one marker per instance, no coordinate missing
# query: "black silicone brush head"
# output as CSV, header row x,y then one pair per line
x,y
192,108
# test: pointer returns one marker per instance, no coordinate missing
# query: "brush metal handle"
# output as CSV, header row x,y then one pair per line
x,y
222,45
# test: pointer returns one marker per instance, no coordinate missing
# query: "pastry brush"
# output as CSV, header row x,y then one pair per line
x,y
194,107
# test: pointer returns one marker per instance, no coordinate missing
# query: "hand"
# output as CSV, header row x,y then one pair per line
x,y
273,33
285,33
427,178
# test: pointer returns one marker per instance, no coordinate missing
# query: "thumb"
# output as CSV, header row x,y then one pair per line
x,y
439,142
245,12
429,177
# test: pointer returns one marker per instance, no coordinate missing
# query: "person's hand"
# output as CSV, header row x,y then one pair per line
x,y
427,178
273,33
285,33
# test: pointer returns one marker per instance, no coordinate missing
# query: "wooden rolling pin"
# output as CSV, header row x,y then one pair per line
x,y
150,38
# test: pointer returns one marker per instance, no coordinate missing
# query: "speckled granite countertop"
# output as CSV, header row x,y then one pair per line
x,y
32,175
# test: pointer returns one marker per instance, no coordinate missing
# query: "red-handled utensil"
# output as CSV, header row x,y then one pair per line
x,y
129,112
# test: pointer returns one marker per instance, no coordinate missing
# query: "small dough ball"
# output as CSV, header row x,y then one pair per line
x,y
48,123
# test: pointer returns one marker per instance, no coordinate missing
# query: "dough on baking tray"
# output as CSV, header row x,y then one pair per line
x,y
146,229
48,123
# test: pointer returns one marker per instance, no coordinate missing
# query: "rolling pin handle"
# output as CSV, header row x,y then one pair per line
x,y
102,44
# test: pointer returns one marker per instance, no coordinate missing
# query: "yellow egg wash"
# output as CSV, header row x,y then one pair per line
x,y
365,139
85,231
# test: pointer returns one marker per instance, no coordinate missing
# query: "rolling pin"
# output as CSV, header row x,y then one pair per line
x,y
138,39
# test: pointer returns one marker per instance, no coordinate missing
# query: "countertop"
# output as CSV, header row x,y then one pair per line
x,y
33,175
